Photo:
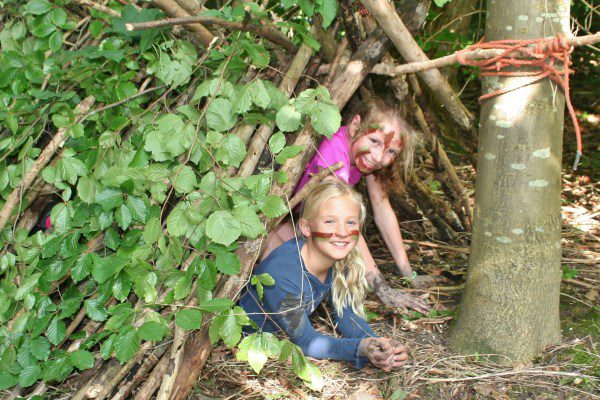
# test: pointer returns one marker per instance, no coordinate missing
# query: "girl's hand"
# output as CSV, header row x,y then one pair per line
x,y
394,298
383,353
426,281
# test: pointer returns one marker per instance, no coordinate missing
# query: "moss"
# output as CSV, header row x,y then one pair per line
x,y
579,320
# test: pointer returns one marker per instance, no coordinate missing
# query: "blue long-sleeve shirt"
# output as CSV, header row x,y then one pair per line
x,y
282,308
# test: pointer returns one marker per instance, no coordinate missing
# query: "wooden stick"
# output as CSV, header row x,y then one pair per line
x,y
99,7
479,54
153,381
174,10
390,22
57,142
268,32
146,365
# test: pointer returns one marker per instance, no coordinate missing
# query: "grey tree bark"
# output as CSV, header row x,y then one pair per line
x,y
510,305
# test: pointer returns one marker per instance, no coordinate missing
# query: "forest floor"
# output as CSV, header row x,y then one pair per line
x,y
570,370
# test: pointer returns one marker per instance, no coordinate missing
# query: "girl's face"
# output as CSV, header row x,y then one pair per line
x,y
335,230
377,147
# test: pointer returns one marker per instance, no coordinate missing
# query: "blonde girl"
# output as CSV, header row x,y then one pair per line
x,y
377,144
323,264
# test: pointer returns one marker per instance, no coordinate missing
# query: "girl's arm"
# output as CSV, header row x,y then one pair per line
x,y
386,221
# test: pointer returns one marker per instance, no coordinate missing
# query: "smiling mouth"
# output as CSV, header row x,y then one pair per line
x,y
340,244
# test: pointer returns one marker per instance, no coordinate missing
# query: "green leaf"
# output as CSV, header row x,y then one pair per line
x,y
287,153
176,69
87,189
60,121
288,120
184,179
214,328
440,3
106,348
273,206
56,331
220,116
39,347
188,319
183,287
81,359
58,16
260,94
104,268
305,370
137,207
230,331
152,231
231,151
328,10
94,308
177,221
7,380
250,224
153,331
29,375
216,305
223,228
146,287
228,263
123,217
207,274
277,142
122,286
27,286
326,119
55,41
43,29
253,351
60,217
260,56
109,199
126,345
38,7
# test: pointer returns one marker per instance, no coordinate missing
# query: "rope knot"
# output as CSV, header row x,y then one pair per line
x,y
539,56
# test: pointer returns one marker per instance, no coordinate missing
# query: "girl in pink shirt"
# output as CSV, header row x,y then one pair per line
x,y
373,142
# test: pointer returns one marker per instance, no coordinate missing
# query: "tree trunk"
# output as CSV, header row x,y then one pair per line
x,y
510,306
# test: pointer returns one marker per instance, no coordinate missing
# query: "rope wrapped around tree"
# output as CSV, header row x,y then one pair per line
x,y
541,55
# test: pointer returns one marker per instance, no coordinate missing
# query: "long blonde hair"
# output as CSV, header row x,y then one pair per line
x,y
372,112
349,282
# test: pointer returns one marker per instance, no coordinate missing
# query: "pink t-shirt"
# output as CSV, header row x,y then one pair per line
x,y
331,151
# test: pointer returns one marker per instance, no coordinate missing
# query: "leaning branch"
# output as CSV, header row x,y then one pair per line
x,y
478,54
269,33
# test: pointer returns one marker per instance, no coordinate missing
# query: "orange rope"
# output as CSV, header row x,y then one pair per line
x,y
542,57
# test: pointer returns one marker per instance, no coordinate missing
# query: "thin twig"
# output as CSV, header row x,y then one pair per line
x,y
269,33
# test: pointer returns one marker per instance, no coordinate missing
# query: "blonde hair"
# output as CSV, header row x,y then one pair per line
x,y
349,282
373,112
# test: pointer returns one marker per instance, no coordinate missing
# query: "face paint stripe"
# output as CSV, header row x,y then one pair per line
x,y
321,235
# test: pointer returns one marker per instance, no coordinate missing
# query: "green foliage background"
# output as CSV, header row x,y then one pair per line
x,y
147,177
